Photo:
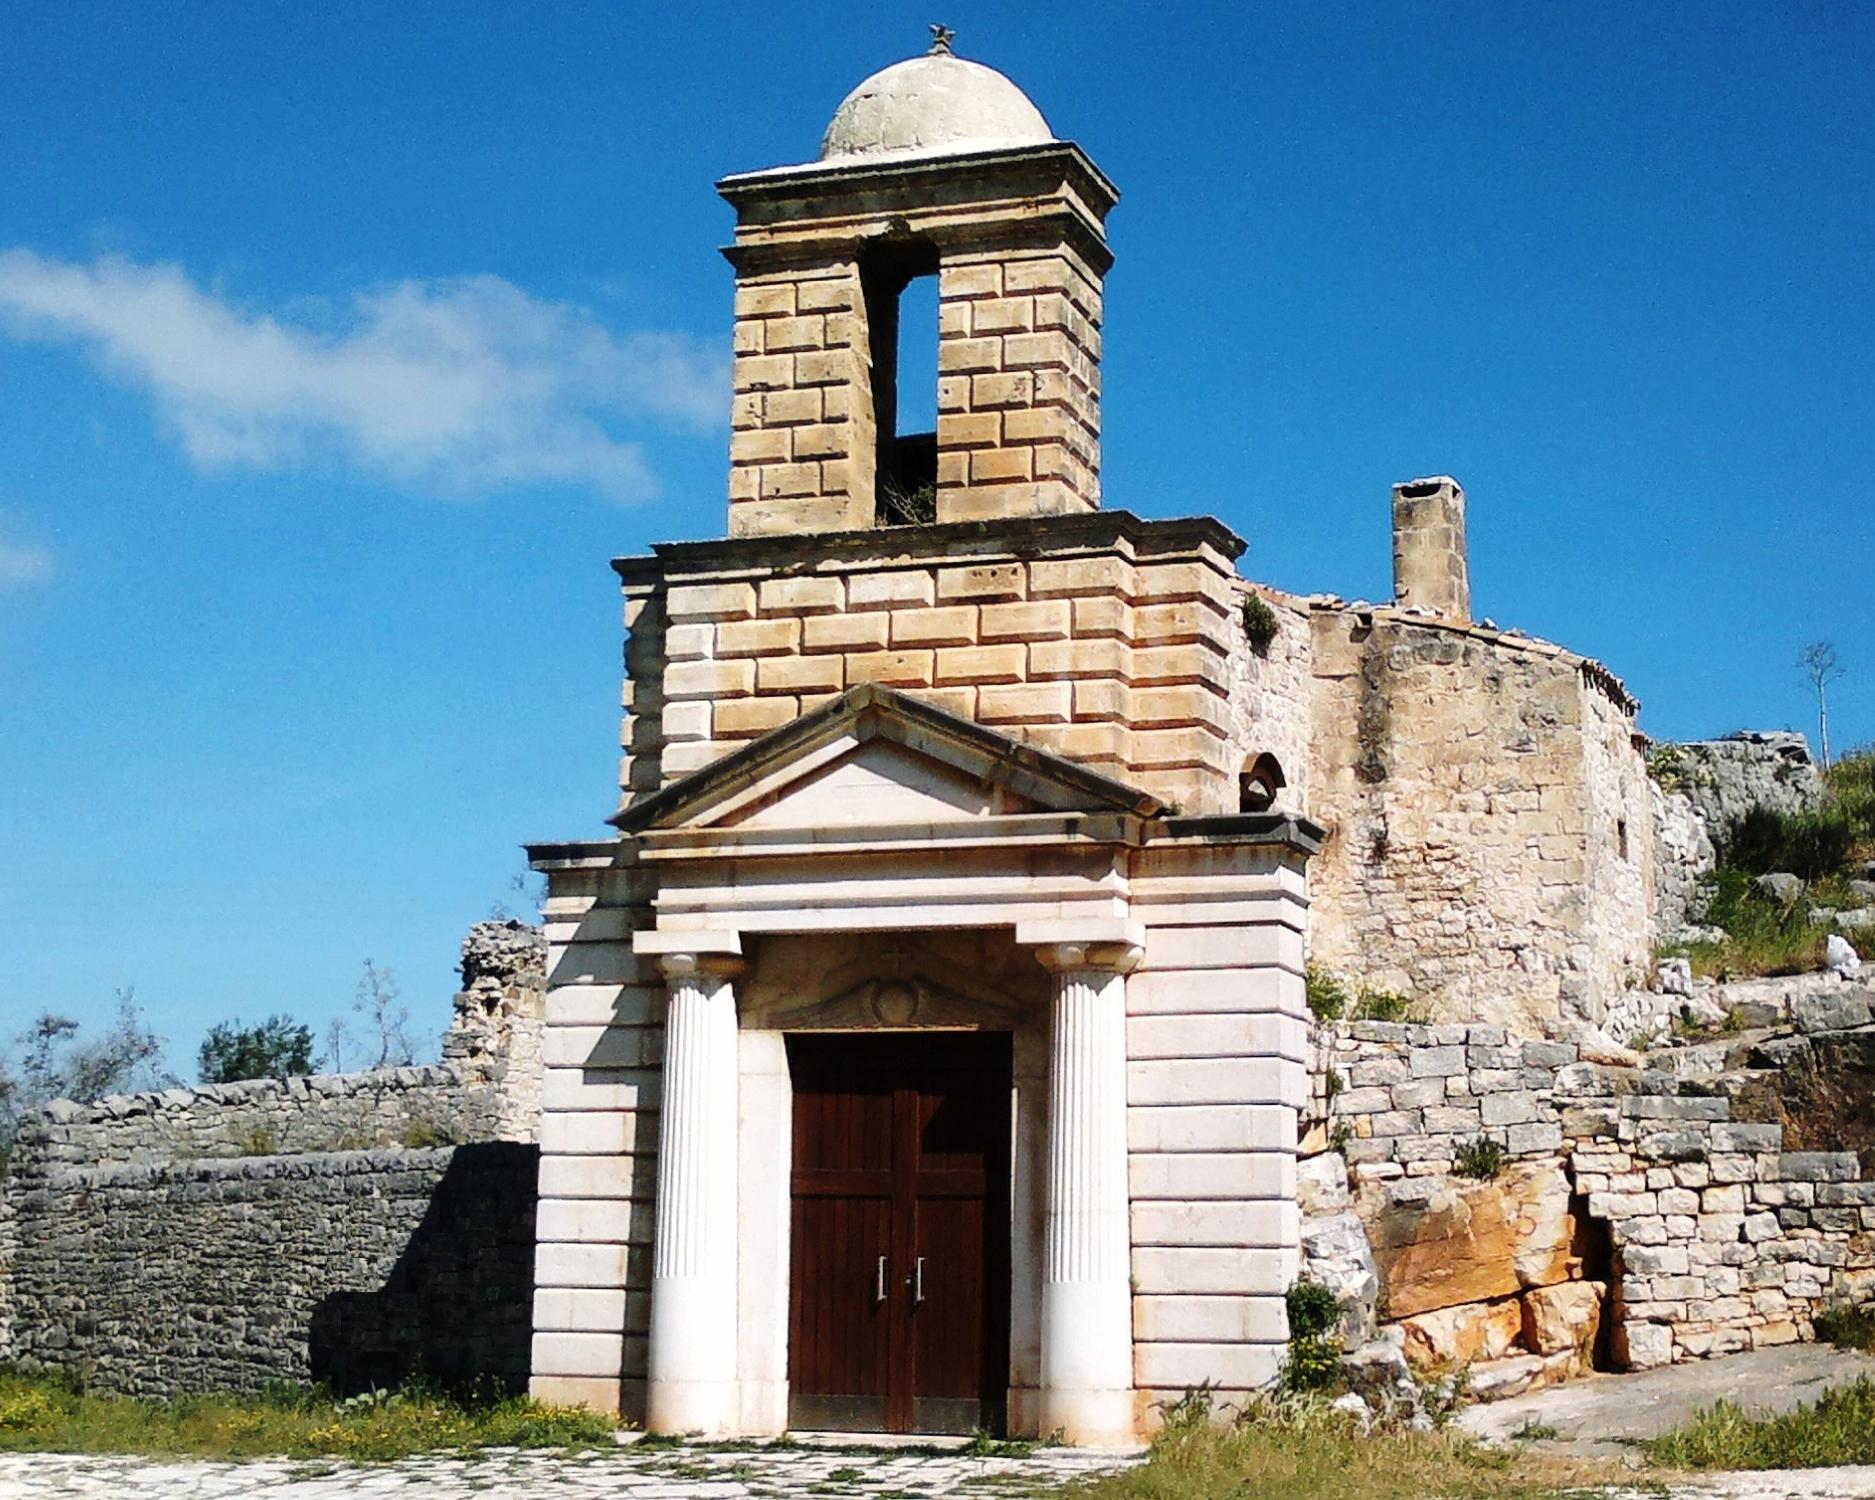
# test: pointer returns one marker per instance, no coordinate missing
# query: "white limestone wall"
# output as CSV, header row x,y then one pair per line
x,y
598,1144
1217,1042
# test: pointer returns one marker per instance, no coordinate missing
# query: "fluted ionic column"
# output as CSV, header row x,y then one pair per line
x,y
691,1362
1087,1308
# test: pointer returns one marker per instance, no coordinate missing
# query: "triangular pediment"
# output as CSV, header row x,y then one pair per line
x,y
874,757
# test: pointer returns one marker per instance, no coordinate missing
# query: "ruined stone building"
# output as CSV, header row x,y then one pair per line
x,y
926,1046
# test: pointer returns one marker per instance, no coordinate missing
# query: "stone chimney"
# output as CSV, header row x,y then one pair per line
x,y
1429,567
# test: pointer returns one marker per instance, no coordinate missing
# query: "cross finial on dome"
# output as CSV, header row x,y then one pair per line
x,y
941,40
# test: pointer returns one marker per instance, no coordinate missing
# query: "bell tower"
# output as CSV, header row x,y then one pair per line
x,y
932,167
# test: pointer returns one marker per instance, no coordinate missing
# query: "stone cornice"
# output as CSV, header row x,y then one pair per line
x,y
1021,537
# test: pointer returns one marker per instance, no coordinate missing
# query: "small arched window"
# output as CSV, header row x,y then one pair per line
x,y
1259,782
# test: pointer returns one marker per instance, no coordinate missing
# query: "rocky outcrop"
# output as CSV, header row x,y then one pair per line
x,y
1726,778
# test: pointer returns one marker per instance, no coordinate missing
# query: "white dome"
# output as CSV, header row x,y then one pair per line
x,y
931,106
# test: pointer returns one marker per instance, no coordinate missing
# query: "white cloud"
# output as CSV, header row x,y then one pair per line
x,y
466,384
21,564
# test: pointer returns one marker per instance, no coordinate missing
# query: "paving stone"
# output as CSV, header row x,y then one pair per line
x,y
701,1473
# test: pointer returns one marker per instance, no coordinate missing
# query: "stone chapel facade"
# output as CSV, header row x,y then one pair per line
x,y
924,1051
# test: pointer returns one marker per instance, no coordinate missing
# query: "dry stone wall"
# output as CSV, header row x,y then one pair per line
x,y
1631,1221
359,1268
353,1228
271,1116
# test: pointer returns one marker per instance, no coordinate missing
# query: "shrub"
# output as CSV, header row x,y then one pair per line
x,y
1811,844
1482,1159
279,1047
1668,766
421,1133
1259,623
1313,1362
1313,1308
1847,1326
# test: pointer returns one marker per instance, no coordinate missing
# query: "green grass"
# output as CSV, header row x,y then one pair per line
x,y
1838,1429
1303,1450
40,1413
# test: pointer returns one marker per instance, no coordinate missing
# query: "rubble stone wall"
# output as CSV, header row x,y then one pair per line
x,y
357,1268
1618,941
1269,695
1683,851
1705,1232
1473,785
500,1019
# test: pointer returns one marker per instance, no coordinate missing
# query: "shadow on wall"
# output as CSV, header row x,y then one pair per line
x,y
456,1309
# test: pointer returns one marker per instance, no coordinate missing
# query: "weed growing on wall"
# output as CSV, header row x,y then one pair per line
x,y
1482,1159
1328,996
1259,623
1332,998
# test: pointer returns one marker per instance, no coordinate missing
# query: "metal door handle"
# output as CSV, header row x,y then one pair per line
x,y
878,1284
917,1281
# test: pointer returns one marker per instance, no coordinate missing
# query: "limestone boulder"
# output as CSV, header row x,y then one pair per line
x,y
1564,1319
1446,1242
1335,1253
1463,1335
1322,1185
1781,887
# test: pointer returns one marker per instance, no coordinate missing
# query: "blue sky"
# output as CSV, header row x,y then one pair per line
x,y
341,346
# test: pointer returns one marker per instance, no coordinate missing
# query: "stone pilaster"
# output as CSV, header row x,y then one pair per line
x,y
691,1365
1087,1343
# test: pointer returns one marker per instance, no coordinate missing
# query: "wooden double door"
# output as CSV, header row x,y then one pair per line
x,y
898,1317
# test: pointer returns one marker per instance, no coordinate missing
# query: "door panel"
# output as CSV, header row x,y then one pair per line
x,y
901,1151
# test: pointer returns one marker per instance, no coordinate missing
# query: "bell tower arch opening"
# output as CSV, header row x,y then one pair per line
x,y
898,282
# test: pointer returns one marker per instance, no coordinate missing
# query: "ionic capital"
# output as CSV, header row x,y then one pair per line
x,y
1106,958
